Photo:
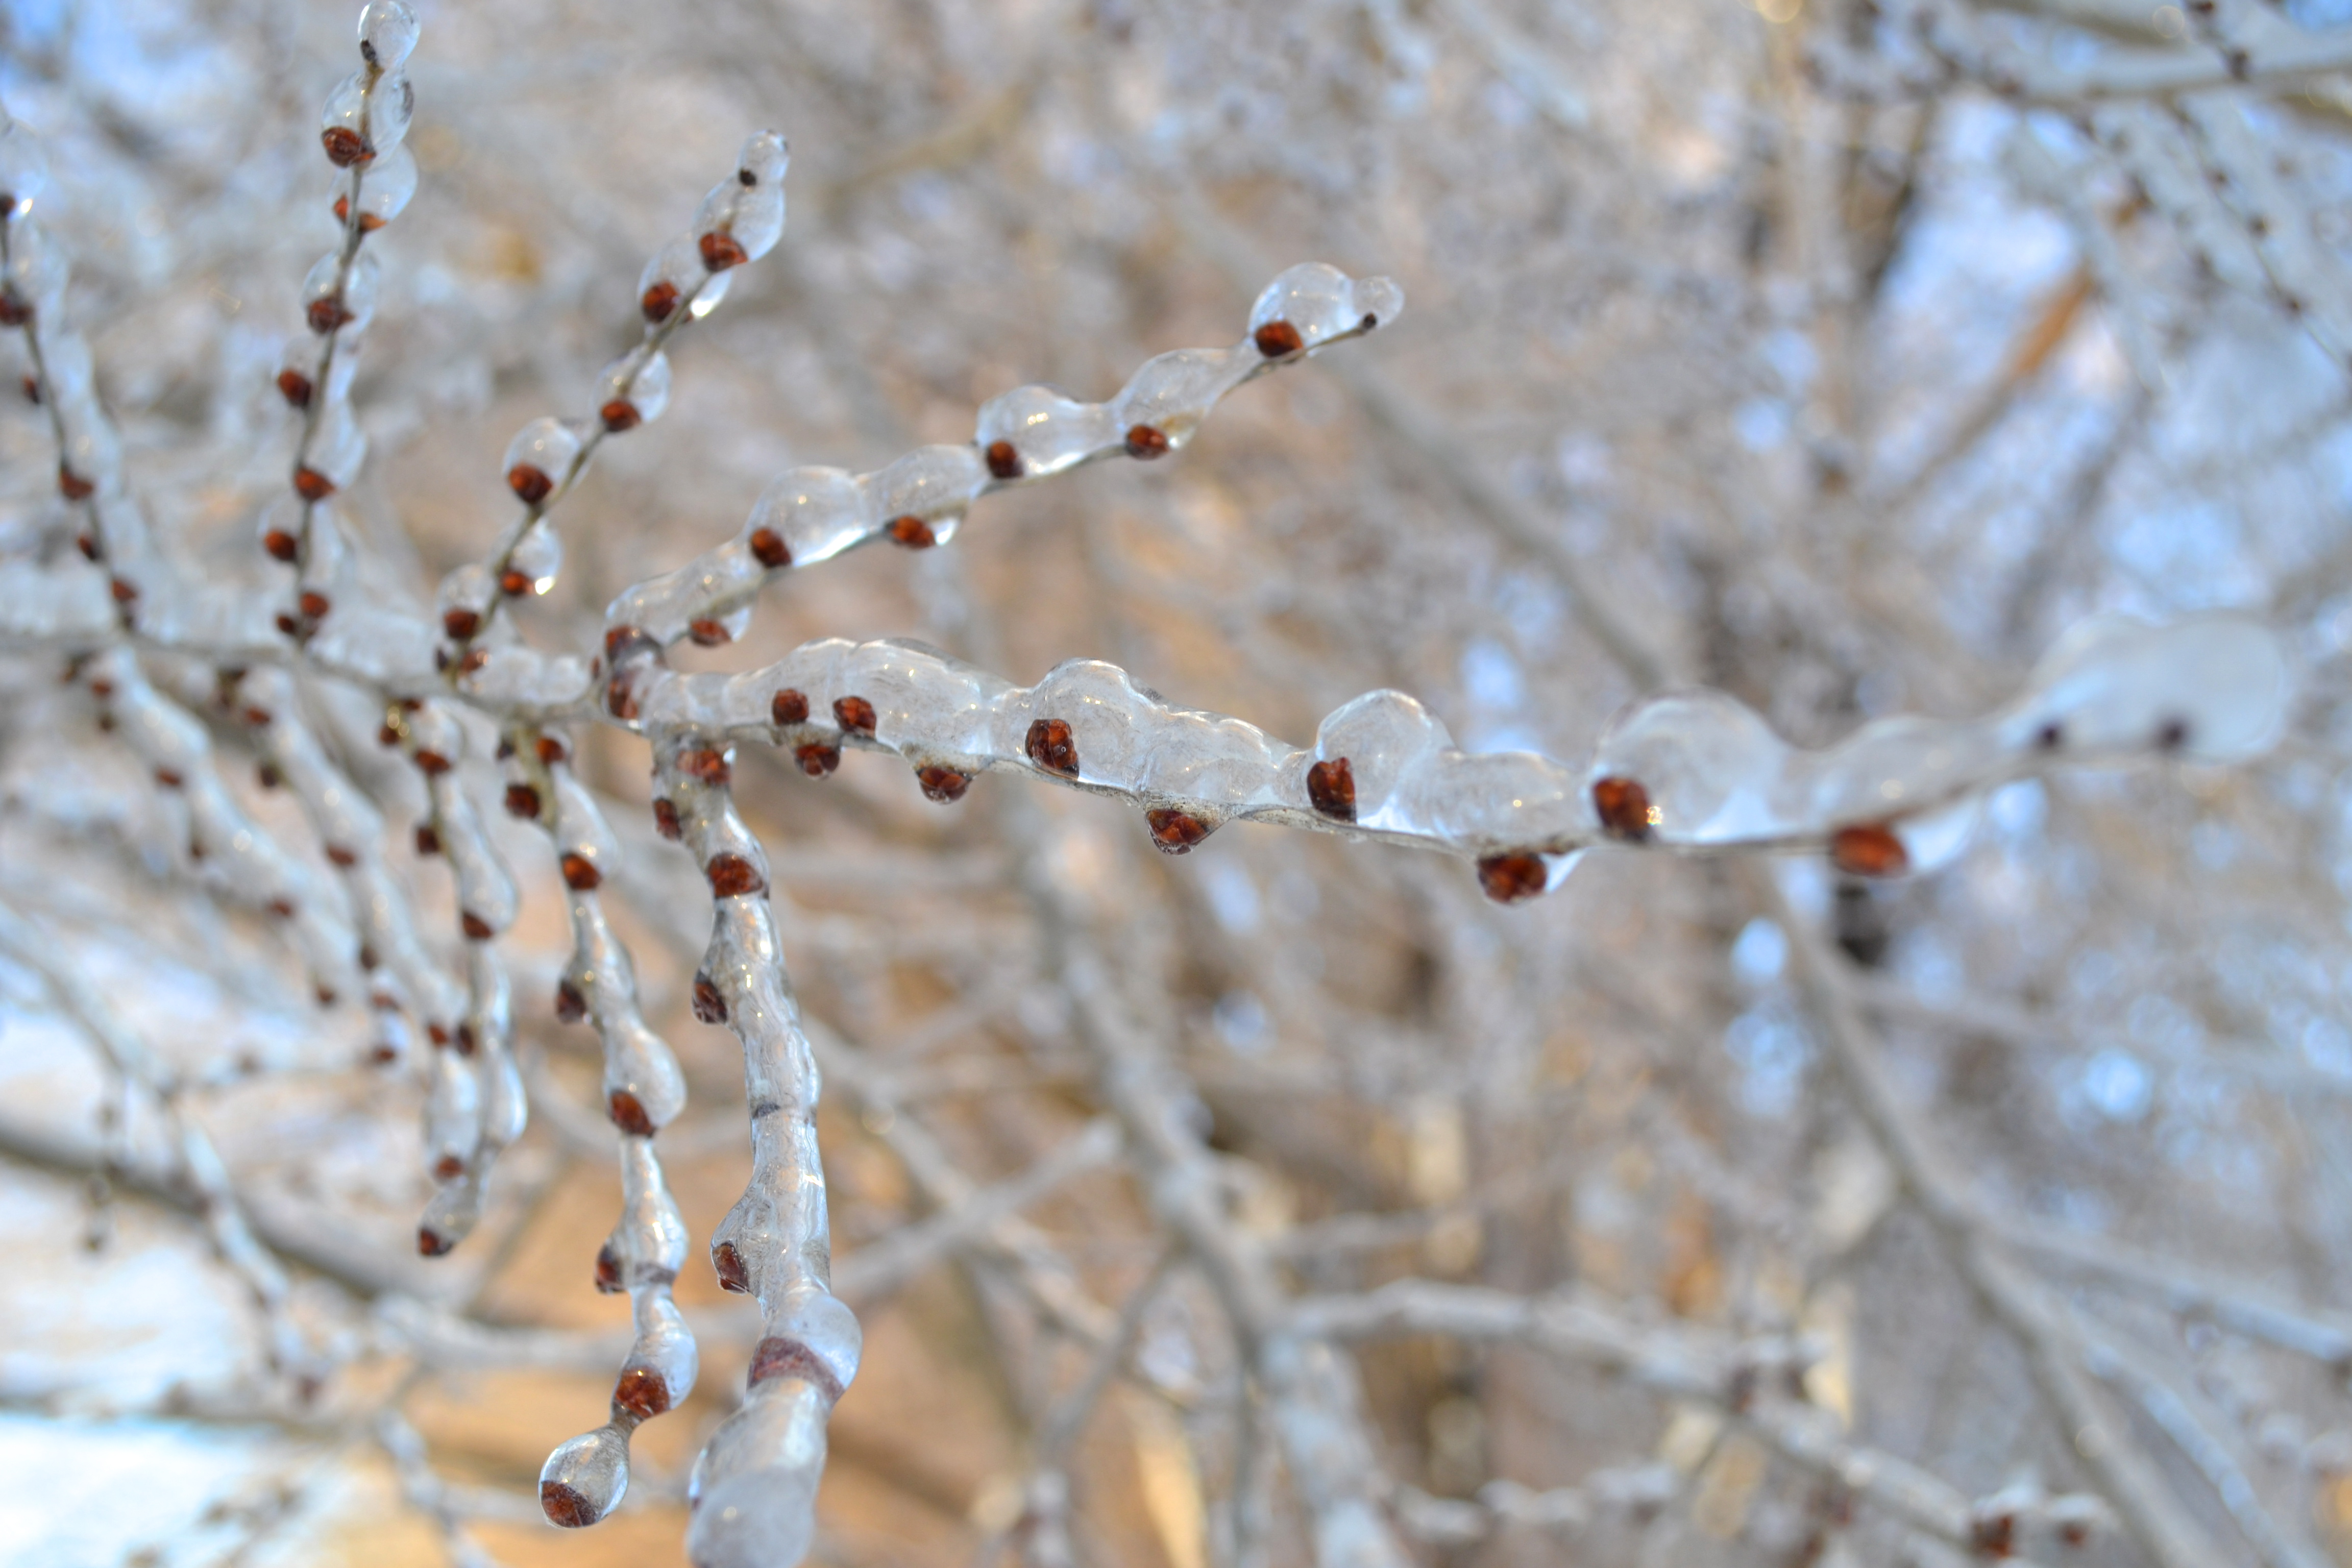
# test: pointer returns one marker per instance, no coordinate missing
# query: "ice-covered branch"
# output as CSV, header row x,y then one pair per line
x,y
644,1090
198,1163
754,1487
1030,433
1693,772
738,222
364,130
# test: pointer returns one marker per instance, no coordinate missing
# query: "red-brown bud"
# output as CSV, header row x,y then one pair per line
x,y
708,1004
788,707
659,301
628,1114
642,1393
1507,879
311,485
1276,339
707,764
719,251
619,415
708,633
767,548
1053,748
1003,461
912,533
570,1006
476,928
345,146
1175,832
1331,789
522,800
428,842
942,784
733,877
666,821
529,482
817,759
728,1264
1624,809
1869,849
295,387
579,873
460,623
1144,442
280,545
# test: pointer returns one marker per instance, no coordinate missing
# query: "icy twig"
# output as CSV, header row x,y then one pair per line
x,y
1634,1490
199,1171
1310,1389
754,1488
2147,1510
738,222
1679,1365
1691,772
2200,1442
644,1090
1029,433
874,1273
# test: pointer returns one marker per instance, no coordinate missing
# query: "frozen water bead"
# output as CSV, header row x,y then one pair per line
x,y
386,185
366,116
387,34
540,459
1698,769
1321,304
811,514
633,390
743,216
585,1479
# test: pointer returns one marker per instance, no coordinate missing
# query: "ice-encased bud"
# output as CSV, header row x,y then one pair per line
x,y
1321,303
533,564
24,169
336,298
539,458
387,34
1044,432
822,1323
932,485
743,216
2212,687
818,512
385,186
585,1479
1164,403
360,125
633,390
463,599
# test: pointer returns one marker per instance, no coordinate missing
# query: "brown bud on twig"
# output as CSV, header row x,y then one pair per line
x,y
1331,789
1507,879
1277,340
1624,809
1052,747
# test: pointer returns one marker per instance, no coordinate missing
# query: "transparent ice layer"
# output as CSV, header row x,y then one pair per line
x,y
1690,769
813,514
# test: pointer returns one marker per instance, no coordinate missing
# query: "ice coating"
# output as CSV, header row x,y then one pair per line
x,y
387,32
225,845
740,220
350,831
755,1481
813,514
1697,770
644,1090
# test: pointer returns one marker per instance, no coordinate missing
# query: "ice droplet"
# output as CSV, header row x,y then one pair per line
x,y
387,34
